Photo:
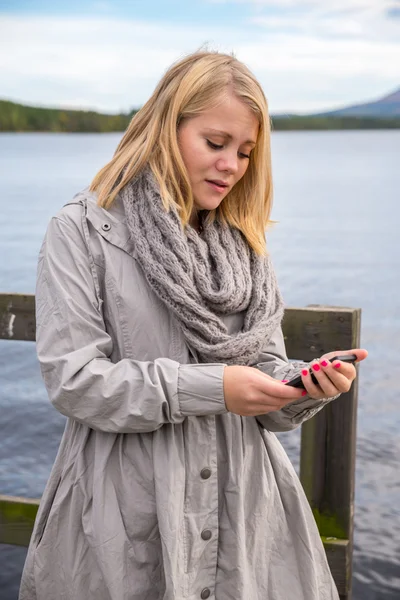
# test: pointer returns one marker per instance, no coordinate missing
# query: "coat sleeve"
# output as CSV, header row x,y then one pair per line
x,y
74,347
274,362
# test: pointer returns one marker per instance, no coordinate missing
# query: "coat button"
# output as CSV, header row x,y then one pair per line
x,y
206,534
106,227
205,594
205,473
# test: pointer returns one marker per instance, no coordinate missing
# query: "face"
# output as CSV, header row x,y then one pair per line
x,y
216,147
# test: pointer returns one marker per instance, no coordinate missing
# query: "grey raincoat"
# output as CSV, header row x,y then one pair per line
x,y
157,491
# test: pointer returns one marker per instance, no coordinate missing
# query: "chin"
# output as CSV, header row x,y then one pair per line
x,y
208,203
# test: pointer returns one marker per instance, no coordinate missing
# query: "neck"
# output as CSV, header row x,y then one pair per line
x,y
195,221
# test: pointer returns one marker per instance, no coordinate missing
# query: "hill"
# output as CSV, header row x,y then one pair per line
x,y
388,106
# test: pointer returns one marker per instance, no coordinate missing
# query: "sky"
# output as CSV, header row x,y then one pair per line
x,y
309,55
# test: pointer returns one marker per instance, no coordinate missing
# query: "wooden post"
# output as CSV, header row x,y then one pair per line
x,y
328,441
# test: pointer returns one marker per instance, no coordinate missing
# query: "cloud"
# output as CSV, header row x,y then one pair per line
x,y
114,64
307,4
367,19
96,59
344,51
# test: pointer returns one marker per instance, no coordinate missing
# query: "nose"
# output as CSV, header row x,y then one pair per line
x,y
228,162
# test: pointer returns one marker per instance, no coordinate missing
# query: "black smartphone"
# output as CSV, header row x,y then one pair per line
x,y
297,381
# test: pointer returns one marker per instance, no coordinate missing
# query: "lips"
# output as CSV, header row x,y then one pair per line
x,y
217,182
217,185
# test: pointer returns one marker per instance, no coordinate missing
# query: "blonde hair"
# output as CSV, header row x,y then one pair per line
x,y
189,87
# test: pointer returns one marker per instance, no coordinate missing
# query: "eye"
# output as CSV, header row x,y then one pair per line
x,y
214,146
244,155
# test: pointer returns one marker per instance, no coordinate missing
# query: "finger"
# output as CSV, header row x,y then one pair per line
x,y
341,374
313,390
270,404
341,368
274,388
359,352
326,385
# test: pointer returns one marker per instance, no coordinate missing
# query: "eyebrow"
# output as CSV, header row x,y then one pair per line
x,y
228,135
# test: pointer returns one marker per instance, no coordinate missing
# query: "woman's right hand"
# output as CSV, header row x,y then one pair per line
x,y
249,392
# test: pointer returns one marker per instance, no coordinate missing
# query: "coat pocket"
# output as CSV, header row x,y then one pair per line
x,y
44,514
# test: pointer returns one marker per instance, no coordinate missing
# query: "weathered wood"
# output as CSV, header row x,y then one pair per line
x,y
17,317
310,332
304,329
339,559
328,442
17,516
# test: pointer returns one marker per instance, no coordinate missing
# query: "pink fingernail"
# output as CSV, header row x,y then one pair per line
x,y
337,365
316,367
304,372
304,393
285,380
324,363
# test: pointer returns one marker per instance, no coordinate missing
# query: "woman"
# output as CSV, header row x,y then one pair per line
x,y
155,301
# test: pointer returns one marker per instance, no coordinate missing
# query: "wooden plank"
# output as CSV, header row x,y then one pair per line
x,y
304,329
17,517
17,317
310,332
338,553
328,441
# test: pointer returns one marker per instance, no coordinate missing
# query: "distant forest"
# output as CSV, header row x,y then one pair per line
x,y
17,117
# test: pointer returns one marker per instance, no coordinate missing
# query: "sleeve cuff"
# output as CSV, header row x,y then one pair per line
x,y
201,389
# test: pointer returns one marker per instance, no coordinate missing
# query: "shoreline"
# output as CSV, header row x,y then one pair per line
x,y
19,118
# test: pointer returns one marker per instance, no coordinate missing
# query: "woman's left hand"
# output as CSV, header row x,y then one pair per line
x,y
333,378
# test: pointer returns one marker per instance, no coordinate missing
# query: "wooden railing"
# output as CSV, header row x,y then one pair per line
x,y
327,460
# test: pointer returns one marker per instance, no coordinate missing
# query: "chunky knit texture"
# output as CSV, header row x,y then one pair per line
x,y
203,277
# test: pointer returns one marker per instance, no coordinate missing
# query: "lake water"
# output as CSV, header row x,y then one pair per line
x,y
337,242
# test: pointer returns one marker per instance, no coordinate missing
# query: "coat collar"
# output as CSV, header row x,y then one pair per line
x,y
110,224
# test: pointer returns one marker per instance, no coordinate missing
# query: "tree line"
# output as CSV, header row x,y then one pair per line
x,y
17,117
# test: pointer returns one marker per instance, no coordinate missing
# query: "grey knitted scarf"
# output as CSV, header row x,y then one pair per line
x,y
201,278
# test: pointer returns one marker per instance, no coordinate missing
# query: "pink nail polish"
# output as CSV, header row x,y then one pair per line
x,y
316,367
324,363
337,365
304,393
285,380
304,372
